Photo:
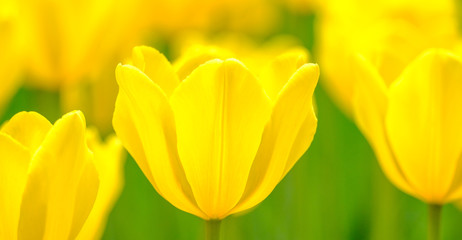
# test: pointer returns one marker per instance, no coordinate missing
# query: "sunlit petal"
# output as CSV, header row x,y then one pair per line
x,y
220,113
144,122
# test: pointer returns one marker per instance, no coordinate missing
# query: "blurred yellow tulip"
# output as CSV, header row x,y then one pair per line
x,y
73,46
256,17
95,98
10,54
390,34
414,125
216,142
109,158
52,183
70,41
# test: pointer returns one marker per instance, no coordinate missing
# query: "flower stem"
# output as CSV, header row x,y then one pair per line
x,y
212,229
434,217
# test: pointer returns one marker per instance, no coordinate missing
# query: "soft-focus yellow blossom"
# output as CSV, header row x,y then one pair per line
x,y
109,159
390,34
414,125
95,98
214,143
69,41
256,17
10,54
51,181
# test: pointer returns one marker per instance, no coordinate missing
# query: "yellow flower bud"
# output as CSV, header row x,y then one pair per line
x,y
53,185
414,124
389,34
215,143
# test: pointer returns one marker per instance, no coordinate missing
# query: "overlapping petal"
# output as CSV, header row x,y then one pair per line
x,y
109,161
156,67
14,163
144,122
220,113
370,107
276,74
197,55
28,128
286,137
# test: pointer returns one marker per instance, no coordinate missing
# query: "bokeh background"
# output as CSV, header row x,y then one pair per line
x,y
335,191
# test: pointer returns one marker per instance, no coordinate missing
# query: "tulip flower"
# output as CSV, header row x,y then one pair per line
x,y
109,159
414,126
169,17
10,60
52,183
219,141
96,99
72,41
390,34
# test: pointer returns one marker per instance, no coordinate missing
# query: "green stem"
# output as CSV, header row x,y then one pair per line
x,y
434,217
212,229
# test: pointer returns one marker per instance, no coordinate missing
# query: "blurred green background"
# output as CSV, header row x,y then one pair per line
x,y
335,191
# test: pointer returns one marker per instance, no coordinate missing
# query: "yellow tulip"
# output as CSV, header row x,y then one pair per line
x,y
250,16
390,34
109,158
215,143
52,183
414,126
71,41
10,57
96,99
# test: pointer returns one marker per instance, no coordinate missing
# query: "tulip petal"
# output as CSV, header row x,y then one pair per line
x,y
143,120
370,104
125,128
455,192
424,122
14,162
109,159
61,185
280,70
220,113
286,137
156,67
197,55
28,128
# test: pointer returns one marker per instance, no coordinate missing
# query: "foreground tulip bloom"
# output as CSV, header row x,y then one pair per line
x,y
215,143
414,126
51,180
